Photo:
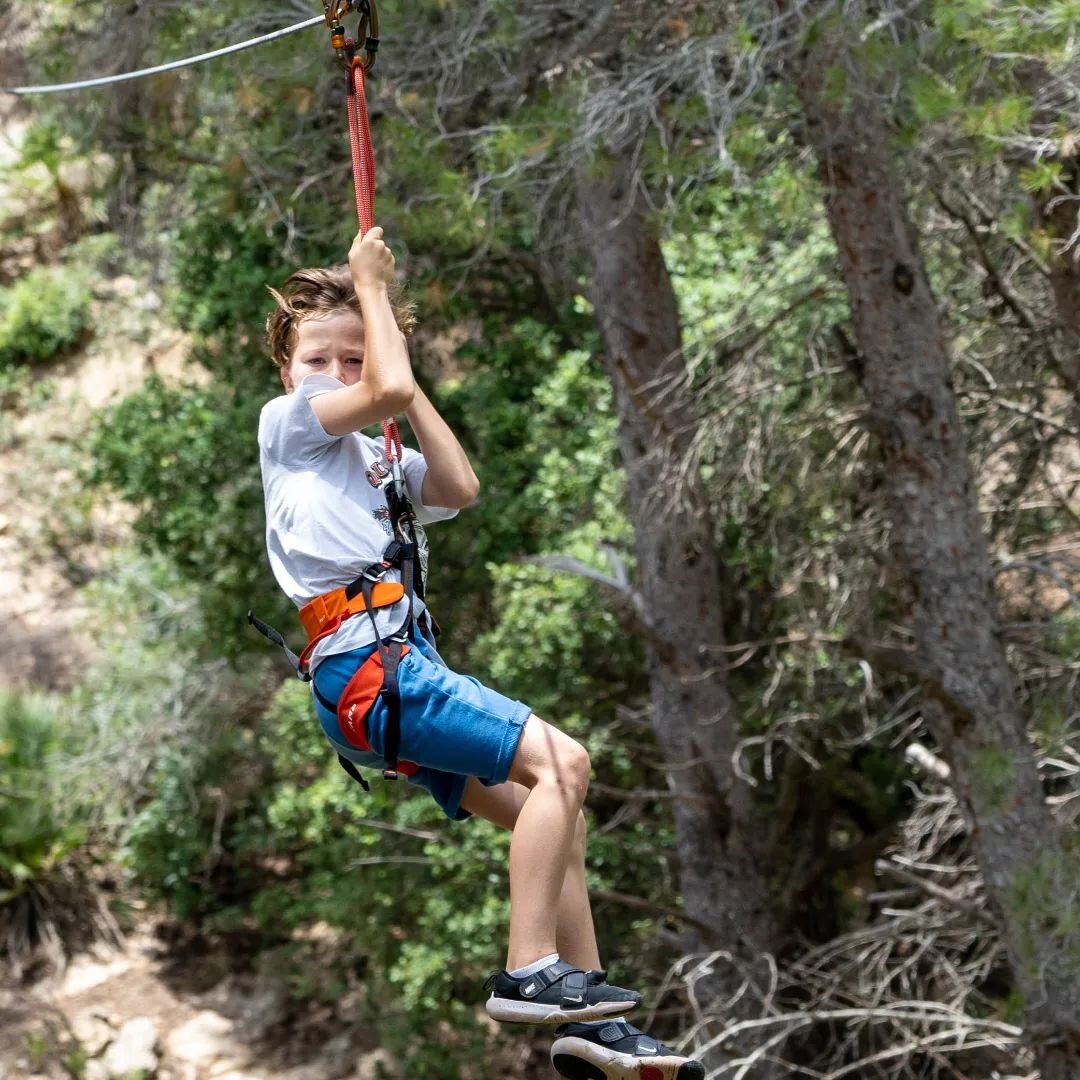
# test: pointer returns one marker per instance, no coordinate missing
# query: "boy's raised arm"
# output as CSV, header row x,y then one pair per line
x,y
386,385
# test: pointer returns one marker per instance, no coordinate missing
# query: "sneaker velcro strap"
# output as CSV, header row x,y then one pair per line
x,y
574,985
541,980
617,1030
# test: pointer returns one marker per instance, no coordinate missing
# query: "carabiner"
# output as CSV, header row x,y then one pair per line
x,y
367,32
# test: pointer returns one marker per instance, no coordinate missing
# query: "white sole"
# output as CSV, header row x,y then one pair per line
x,y
508,1011
616,1066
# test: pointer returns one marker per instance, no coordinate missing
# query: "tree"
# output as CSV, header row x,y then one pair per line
x,y
968,692
725,885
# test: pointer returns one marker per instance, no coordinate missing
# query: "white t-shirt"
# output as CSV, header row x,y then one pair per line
x,y
326,512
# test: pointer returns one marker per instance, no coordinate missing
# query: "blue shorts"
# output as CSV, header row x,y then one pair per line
x,y
452,726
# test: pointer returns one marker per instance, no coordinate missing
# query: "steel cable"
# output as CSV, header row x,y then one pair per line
x,y
108,80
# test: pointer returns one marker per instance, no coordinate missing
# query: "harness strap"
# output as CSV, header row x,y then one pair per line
x,y
390,649
273,635
353,771
318,613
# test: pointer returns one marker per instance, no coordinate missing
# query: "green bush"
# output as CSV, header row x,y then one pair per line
x,y
39,831
43,314
34,833
187,458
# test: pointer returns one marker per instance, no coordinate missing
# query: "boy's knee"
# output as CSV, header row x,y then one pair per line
x,y
576,768
550,757
575,761
568,769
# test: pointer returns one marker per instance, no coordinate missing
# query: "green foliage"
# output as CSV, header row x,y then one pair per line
x,y
495,404
1042,176
45,143
22,390
223,259
37,829
932,98
999,117
47,901
44,314
169,845
187,458
1031,27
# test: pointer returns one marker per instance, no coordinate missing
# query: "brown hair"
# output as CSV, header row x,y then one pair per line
x,y
310,293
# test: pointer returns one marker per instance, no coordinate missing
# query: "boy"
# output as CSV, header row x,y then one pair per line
x,y
339,345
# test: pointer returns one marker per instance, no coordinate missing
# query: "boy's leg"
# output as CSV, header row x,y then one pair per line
x,y
575,936
538,986
615,1049
554,769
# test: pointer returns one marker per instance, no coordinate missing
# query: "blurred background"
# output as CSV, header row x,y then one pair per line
x,y
759,321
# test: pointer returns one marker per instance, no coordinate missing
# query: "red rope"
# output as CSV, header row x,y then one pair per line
x,y
363,155
363,166
392,439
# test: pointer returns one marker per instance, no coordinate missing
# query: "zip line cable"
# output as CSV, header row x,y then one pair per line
x,y
107,80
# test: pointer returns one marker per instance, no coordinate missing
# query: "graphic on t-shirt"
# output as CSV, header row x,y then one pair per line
x,y
377,474
382,515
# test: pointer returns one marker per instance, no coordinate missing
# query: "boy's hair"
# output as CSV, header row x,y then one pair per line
x,y
310,293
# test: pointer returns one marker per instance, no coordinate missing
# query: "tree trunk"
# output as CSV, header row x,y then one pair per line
x,y
723,882
969,700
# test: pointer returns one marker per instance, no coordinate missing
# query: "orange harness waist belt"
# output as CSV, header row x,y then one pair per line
x,y
318,614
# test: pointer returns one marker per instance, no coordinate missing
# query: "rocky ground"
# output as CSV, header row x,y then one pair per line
x,y
135,1011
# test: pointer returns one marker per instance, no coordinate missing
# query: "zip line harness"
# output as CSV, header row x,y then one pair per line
x,y
377,677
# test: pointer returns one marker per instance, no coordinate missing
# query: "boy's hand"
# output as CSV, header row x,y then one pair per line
x,y
371,261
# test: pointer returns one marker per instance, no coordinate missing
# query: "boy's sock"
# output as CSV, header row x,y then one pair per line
x,y
532,969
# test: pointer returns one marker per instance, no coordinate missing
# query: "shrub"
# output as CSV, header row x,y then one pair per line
x,y
43,315
41,887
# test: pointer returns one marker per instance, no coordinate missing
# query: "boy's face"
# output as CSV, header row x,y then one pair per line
x,y
331,344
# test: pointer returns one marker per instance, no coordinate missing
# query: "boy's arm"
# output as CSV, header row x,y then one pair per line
x,y
450,480
386,383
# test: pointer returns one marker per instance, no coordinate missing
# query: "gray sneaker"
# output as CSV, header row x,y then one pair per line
x,y
558,993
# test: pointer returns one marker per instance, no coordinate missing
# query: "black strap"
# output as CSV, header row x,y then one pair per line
x,y
575,984
392,737
273,635
405,528
353,771
390,650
